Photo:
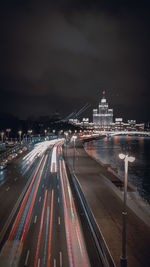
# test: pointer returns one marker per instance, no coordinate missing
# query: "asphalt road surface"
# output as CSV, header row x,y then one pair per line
x,y
39,222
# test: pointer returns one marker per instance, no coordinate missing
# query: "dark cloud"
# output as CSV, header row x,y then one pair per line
x,y
58,55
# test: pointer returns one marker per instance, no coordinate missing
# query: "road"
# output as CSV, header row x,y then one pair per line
x,y
44,225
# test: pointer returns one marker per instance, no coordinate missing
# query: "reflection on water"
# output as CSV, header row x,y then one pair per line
x,y
107,150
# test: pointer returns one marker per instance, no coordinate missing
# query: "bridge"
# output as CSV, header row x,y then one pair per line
x,y
98,134
130,133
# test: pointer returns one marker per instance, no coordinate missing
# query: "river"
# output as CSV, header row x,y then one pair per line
x,y
107,150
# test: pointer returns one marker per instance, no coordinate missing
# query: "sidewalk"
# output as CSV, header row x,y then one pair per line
x,y
106,207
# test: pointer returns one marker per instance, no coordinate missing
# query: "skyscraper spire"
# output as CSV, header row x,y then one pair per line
x,y
103,99
104,92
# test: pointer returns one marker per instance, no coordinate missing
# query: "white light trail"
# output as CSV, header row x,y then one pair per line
x,y
39,150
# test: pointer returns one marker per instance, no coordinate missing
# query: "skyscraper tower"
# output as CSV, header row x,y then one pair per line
x,y
103,116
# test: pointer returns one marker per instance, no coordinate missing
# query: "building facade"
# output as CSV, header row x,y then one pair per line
x,y
103,116
103,120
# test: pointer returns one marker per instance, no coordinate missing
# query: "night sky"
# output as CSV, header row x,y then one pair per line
x,y
59,55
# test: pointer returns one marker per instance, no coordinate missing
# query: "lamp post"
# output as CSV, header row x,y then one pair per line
x,y
2,136
24,138
74,137
8,131
29,133
126,158
20,132
66,134
45,131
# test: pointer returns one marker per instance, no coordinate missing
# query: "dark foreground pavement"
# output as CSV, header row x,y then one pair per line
x,y
106,207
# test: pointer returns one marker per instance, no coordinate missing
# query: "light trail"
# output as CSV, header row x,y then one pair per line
x,y
41,227
79,235
56,149
32,204
23,204
53,167
75,242
69,245
38,151
14,247
27,208
50,229
60,258
46,235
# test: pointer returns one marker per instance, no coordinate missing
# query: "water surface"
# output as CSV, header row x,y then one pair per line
x,y
107,150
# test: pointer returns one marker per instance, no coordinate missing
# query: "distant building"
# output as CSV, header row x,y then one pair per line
x,y
131,125
74,121
103,116
103,120
119,125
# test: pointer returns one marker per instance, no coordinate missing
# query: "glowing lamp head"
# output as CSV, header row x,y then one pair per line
x,y
131,159
121,156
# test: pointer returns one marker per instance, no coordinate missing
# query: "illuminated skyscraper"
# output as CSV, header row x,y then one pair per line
x,y
103,116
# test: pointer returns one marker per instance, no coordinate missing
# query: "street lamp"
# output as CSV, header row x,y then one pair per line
x,y
74,137
29,133
2,136
66,134
20,132
8,131
126,158
24,138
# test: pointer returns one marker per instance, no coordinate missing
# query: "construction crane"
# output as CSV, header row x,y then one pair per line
x,y
76,114
86,106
